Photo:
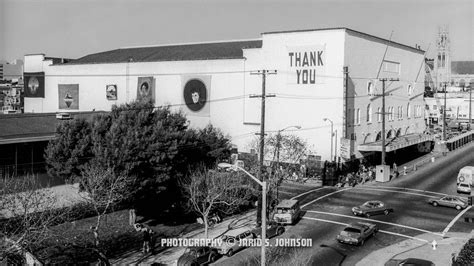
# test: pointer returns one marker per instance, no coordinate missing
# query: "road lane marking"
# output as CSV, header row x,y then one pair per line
x,y
306,193
313,201
382,231
394,191
377,221
455,219
412,189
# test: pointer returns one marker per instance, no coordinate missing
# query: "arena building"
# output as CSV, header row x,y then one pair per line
x,y
325,79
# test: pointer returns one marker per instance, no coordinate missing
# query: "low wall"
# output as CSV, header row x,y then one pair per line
x,y
459,141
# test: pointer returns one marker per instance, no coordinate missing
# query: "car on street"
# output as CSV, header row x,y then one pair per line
x,y
357,233
287,212
273,229
198,256
449,201
372,207
231,241
409,262
464,188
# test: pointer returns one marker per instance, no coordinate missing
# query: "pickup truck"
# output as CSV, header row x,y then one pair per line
x,y
357,233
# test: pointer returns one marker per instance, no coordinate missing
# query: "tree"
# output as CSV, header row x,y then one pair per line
x,y
26,213
103,189
284,150
209,190
151,146
71,148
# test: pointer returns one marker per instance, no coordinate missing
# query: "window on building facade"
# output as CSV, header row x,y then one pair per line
x,y
370,88
358,116
379,114
369,113
435,107
409,90
408,110
391,67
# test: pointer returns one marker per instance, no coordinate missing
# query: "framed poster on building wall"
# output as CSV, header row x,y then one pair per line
x,y
34,84
68,96
111,92
196,94
146,89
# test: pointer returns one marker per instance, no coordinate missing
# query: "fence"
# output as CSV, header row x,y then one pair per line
x,y
460,140
451,145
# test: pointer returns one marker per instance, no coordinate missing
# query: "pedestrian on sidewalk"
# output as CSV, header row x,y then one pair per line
x,y
146,241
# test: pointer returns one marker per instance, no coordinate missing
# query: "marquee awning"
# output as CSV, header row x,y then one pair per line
x,y
396,143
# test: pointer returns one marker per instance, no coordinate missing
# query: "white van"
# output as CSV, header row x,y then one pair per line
x,y
465,179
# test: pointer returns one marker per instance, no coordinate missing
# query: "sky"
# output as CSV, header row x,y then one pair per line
x,y
75,28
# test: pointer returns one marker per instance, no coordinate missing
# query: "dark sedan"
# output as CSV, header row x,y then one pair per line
x,y
198,256
273,229
370,208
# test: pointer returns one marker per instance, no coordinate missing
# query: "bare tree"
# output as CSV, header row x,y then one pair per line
x,y
281,149
102,190
208,190
27,211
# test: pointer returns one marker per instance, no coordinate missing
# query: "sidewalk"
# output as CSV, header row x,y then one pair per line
x,y
452,243
169,256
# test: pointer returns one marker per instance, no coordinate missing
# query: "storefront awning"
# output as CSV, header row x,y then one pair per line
x,y
396,143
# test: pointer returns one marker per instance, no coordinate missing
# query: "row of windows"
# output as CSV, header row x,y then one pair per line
x,y
391,133
391,113
371,90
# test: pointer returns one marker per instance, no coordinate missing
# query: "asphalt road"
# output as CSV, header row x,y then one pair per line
x,y
325,216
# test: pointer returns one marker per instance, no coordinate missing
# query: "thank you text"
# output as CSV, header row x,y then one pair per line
x,y
306,64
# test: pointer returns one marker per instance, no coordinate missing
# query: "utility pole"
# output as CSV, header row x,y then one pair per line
x,y
335,147
383,115
260,176
471,87
444,114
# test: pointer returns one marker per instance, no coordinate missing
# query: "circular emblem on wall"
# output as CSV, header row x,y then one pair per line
x,y
144,89
33,85
195,95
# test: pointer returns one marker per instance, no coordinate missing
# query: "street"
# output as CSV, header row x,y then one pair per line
x,y
328,210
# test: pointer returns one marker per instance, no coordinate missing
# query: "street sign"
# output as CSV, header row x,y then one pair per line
x,y
345,149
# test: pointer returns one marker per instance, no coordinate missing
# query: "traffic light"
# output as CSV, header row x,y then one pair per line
x,y
469,200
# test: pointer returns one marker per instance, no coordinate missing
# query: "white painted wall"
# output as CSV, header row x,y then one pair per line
x,y
304,105
363,56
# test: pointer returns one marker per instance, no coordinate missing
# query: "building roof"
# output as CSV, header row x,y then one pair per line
x,y
462,67
351,31
20,128
178,52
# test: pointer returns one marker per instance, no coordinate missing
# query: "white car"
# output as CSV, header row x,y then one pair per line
x,y
231,241
464,188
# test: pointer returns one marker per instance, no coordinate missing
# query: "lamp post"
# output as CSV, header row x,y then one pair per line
x,y
264,205
278,152
332,132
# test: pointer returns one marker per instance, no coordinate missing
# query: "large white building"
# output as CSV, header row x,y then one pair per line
x,y
212,82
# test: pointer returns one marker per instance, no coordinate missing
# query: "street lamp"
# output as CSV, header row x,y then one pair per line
x,y
332,132
278,152
264,205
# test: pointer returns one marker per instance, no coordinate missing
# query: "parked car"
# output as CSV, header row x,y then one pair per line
x,y
273,229
464,188
198,256
231,241
449,201
409,262
357,233
372,207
